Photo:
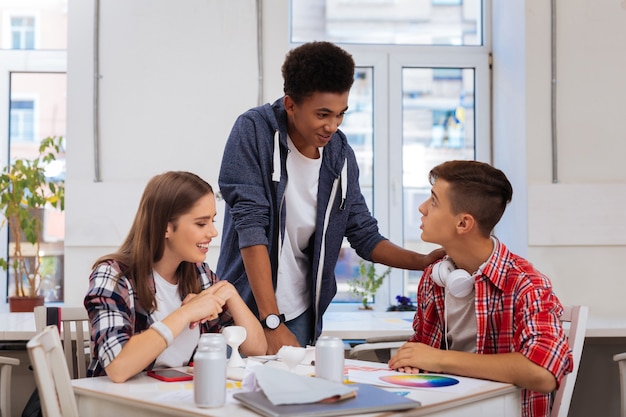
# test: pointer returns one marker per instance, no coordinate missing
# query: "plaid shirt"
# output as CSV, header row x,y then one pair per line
x,y
116,315
516,311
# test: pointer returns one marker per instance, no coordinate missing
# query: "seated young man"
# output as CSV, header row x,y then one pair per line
x,y
501,322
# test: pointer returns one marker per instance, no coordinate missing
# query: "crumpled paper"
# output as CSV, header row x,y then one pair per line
x,y
284,387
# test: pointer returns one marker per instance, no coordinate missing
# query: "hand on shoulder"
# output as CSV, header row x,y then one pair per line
x,y
433,257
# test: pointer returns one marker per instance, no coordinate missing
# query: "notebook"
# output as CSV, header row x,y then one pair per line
x,y
369,399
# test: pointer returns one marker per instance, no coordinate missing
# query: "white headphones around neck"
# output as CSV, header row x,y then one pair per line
x,y
458,282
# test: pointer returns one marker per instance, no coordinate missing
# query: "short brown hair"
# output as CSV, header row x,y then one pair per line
x,y
476,188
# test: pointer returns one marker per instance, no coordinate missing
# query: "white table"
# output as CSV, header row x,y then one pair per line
x,y
145,396
356,325
364,324
346,325
17,326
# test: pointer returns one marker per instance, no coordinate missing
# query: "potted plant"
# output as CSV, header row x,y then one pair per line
x,y
368,282
404,304
25,191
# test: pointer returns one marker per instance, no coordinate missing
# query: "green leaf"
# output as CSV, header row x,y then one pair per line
x,y
368,282
25,190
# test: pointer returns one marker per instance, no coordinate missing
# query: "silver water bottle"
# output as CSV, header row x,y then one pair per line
x,y
329,358
209,371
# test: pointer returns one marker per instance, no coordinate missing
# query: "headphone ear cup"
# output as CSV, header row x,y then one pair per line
x,y
457,281
460,283
441,271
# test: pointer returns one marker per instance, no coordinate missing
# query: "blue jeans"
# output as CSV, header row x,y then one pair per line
x,y
302,327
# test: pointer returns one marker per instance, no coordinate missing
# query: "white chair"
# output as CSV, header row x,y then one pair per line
x,y
377,349
380,349
73,323
52,374
6,368
576,316
620,358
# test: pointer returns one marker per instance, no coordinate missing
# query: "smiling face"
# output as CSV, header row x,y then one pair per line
x,y
188,238
438,221
312,122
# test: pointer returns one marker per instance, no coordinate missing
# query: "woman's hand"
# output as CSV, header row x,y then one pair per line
x,y
206,305
226,290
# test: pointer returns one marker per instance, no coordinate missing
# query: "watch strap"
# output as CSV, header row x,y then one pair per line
x,y
281,319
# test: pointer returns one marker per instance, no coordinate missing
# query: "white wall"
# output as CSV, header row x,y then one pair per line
x,y
575,231
185,70
174,76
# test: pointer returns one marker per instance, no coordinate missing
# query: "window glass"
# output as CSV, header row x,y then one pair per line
x,y
40,115
358,125
397,22
438,124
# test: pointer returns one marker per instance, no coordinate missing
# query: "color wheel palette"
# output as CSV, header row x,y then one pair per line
x,y
420,380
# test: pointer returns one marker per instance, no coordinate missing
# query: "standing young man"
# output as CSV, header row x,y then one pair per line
x,y
290,182
502,321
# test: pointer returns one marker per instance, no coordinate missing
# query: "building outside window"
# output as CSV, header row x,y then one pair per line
x,y
23,32
22,123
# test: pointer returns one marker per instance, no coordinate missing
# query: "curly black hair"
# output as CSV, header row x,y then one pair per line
x,y
317,67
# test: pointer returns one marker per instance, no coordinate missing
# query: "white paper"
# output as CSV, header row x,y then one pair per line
x,y
284,387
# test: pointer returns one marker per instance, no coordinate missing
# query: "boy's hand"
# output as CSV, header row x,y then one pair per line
x,y
412,357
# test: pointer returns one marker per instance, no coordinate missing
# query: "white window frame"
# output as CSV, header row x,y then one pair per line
x,y
459,57
388,61
19,60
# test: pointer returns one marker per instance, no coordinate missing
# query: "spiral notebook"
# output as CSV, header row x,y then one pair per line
x,y
369,399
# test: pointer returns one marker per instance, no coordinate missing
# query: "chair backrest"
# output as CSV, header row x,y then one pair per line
x,y
620,358
576,316
74,326
52,374
6,367
378,349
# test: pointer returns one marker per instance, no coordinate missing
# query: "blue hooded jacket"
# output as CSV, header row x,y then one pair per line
x,y
252,181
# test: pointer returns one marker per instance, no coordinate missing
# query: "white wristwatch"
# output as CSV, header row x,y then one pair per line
x,y
272,321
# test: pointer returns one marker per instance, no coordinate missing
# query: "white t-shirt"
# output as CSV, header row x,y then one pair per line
x,y
293,285
168,300
460,316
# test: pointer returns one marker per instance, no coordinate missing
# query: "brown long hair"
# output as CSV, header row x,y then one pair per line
x,y
166,197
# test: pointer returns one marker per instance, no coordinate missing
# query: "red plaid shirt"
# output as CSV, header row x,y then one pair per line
x,y
516,311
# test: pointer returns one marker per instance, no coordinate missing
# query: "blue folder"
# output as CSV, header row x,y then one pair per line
x,y
369,399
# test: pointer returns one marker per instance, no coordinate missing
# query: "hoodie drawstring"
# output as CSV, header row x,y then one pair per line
x,y
277,167
344,184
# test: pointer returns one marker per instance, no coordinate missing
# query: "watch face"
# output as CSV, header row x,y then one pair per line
x,y
272,321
